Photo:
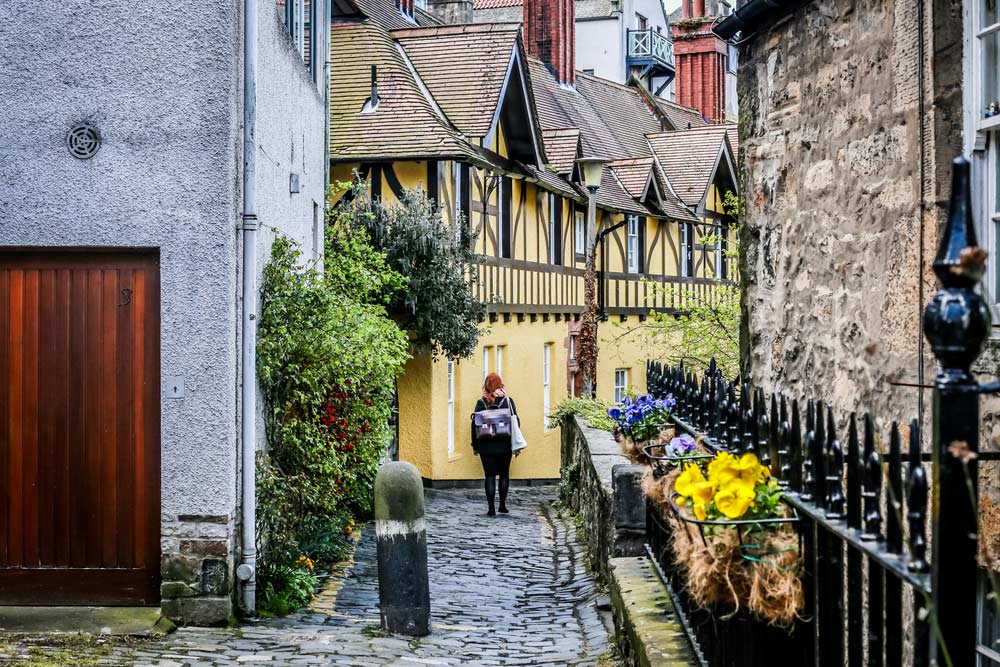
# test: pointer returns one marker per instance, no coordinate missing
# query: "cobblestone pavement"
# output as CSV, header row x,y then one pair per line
x,y
510,590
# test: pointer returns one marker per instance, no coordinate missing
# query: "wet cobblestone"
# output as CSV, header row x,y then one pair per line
x,y
511,590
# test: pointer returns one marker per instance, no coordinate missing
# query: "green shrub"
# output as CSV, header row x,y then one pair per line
x,y
327,358
593,411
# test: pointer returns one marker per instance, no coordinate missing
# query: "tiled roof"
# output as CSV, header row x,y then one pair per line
x,y
383,12
635,174
561,148
560,107
688,158
611,194
551,181
680,116
463,67
404,125
623,111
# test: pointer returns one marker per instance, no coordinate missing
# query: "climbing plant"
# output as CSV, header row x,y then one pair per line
x,y
437,304
327,358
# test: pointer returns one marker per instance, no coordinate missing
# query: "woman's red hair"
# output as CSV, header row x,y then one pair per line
x,y
490,386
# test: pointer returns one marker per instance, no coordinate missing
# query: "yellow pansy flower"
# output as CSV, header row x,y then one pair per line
x,y
723,468
700,512
734,500
749,469
685,484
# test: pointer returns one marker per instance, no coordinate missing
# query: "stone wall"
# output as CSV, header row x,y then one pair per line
x,y
831,148
603,488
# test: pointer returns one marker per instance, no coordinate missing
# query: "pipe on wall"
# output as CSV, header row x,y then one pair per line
x,y
247,572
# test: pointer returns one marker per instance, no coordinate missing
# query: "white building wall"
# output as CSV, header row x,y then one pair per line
x,y
599,47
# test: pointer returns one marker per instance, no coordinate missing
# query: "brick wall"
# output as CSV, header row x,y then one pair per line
x,y
700,60
550,34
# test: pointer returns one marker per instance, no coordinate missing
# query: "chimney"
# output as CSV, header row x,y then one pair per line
x,y
550,36
693,9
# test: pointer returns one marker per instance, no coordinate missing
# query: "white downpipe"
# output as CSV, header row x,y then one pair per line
x,y
248,408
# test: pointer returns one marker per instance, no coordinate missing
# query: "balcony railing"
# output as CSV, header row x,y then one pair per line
x,y
650,47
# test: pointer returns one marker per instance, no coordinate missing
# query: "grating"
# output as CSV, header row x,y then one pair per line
x,y
83,141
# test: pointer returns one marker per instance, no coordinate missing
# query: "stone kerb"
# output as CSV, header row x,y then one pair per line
x,y
604,489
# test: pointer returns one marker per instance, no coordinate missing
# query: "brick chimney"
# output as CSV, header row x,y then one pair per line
x,y
550,35
700,60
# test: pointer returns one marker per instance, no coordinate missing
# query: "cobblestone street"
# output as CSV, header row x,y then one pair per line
x,y
511,590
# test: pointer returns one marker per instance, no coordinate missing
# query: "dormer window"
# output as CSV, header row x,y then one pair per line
x,y
405,8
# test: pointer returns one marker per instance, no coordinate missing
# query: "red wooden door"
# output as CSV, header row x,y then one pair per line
x,y
79,428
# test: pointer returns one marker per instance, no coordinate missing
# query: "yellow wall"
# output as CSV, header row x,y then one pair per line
x,y
424,418
512,292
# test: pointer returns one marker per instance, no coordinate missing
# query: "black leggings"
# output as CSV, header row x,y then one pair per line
x,y
497,465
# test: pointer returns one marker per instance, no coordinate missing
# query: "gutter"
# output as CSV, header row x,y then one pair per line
x,y
754,16
247,571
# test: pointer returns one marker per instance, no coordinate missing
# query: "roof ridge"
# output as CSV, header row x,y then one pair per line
x,y
453,29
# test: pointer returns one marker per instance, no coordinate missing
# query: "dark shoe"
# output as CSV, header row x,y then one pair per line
x,y
492,513
504,510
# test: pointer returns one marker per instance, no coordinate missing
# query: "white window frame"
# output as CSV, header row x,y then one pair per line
x,y
486,362
621,384
499,360
500,201
546,382
572,347
684,249
456,176
580,233
632,243
982,136
451,407
718,252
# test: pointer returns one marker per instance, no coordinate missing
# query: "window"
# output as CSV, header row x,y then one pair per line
x,y
486,362
451,408
589,71
499,366
640,22
621,384
982,96
555,229
579,234
572,348
546,395
632,243
687,249
303,22
988,641
721,248
503,218
732,58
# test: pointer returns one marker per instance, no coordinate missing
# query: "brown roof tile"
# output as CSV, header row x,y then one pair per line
x,y
688,158
463,67
635,175
623,110
680,116
561,148
494,4
404,125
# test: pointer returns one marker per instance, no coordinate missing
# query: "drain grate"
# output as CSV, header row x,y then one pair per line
x,y
83,141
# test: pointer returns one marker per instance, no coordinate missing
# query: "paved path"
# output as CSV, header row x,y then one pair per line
x,y
506,591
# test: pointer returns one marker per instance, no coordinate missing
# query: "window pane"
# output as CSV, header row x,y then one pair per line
x,y
988,13
990,45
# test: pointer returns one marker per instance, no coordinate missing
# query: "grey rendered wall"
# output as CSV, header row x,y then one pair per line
x,y
162,83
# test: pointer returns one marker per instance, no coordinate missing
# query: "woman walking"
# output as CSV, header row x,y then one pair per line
x,y
495,453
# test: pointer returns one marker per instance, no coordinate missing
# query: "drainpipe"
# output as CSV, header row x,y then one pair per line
x,y
247,571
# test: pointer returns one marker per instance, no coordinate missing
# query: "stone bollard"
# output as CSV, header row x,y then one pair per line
x,y
403,591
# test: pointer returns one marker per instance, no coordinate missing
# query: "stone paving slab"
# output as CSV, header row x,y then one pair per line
x,y
505,591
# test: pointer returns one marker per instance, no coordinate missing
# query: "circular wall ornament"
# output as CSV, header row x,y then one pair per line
x,y
83,141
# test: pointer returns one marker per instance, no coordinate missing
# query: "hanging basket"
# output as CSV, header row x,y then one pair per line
x,y
740,563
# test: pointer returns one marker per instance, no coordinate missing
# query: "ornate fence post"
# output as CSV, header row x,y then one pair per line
x,y
956,322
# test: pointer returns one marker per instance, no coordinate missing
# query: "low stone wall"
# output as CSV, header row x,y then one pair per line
x,y
603,487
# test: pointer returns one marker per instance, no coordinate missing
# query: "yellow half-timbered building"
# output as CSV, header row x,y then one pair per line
x,y
464,112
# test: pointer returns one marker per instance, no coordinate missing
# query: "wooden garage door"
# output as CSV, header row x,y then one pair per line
x,y
79,428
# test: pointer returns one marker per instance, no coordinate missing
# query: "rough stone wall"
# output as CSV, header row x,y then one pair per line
x,y
604,490
830,130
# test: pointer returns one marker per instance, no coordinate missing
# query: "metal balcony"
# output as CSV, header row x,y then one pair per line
x,y
652,51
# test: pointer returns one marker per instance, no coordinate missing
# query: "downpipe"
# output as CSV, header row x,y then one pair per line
x,y
247,571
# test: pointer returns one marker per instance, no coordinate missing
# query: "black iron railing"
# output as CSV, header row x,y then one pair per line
x,y
873,594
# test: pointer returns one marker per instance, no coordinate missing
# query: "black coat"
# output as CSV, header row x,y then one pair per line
x,y
498,445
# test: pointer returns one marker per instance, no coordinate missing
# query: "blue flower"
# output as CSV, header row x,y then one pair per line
x,y
670,401
646,399
683,444
615,413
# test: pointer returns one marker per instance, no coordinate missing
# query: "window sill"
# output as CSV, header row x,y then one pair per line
x,y
455,457
990,123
